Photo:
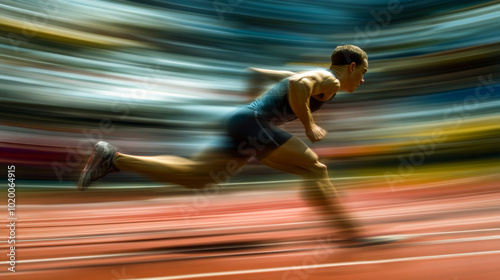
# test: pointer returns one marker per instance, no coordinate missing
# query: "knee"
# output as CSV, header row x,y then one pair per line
x,y
316,170
313,169
320,168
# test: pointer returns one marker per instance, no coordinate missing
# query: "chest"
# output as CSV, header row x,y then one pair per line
x,y
316,103
323,97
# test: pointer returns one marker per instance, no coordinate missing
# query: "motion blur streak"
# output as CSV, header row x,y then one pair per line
x,y
156,77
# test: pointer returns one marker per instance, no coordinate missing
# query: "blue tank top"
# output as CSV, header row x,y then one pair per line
x,y
273,106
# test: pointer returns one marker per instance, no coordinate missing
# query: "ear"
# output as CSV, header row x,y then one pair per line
x,y
352,66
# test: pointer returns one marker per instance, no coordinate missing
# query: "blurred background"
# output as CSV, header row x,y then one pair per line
x,y
156,77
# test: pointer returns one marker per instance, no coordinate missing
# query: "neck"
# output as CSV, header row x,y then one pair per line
x,y
340,73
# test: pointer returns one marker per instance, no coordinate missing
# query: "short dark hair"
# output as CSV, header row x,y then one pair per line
x,y
346,54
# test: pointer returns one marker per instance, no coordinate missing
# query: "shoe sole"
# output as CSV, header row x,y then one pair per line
x,y
90,164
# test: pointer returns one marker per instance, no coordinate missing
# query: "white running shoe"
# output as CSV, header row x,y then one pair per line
x,y
99,165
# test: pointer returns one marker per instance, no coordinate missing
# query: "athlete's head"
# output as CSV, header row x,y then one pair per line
x,y
353,62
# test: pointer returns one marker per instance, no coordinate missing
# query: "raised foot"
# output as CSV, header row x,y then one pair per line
x,y
99,165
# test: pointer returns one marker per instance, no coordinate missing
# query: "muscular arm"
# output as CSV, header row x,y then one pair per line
x,y
300,91
301,88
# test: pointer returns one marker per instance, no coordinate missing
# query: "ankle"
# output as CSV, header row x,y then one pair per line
x,y
114,160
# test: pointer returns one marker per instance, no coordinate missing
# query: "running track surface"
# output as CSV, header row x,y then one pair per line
x,y
452,233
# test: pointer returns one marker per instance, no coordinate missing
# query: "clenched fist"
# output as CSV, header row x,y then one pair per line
x,y
315,133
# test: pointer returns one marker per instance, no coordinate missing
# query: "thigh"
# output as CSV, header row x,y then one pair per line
x,y
293,152
252,136
294,156
218,159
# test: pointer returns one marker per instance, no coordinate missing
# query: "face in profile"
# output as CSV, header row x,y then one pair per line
x,y
356,73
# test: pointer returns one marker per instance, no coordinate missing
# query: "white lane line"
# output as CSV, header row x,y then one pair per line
x,y
458,240
237,227
438,209
148,253
405,236
326,265
80,258
454,232
153,185
180,230
234,228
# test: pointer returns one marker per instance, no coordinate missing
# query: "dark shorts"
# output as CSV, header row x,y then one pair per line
x,y
250,136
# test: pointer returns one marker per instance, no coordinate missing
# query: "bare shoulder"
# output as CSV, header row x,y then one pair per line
x,y
322,80
314,76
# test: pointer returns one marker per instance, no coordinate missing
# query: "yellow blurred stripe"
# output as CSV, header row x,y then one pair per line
x,y
460,129
468,129
61,34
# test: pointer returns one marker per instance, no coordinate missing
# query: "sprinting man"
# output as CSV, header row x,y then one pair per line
x,y
252,132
